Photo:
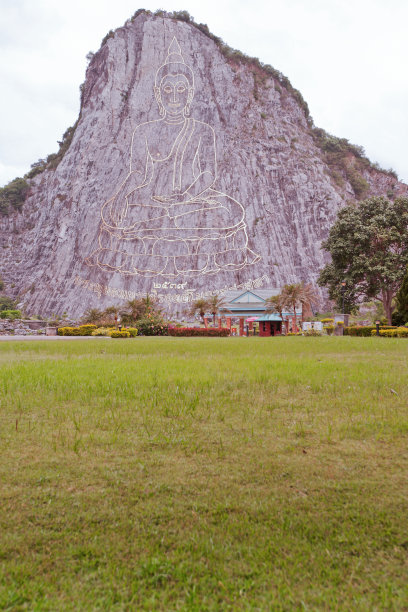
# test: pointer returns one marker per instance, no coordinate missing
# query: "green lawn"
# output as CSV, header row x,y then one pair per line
x,y
204,474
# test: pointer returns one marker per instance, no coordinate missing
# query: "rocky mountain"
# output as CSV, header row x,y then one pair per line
x,y
191,169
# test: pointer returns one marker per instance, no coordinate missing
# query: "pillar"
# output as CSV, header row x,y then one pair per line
x,y
241,326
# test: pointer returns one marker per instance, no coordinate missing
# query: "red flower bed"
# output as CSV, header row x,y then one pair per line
x,y
198,331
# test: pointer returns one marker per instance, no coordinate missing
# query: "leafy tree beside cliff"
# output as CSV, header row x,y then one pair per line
x,y
368,245
400,316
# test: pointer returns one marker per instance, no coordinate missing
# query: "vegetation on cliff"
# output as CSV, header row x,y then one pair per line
x,y
13,195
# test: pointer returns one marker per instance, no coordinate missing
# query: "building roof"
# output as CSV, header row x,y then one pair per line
x,y
249,295
269,317
250,302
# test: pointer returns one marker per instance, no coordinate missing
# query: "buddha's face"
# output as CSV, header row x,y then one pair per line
x,y
174,94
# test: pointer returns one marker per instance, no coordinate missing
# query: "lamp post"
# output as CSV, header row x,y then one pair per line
x,y
377,328
343,288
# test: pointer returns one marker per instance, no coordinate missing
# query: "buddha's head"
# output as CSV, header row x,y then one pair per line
x,y
174,84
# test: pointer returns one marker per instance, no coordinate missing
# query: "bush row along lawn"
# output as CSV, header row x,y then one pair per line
x,y
204,474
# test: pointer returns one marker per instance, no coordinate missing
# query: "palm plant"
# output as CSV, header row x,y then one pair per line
x,y
111,314
215,304
276,303
201,306
308,298
92,315
134,309
292,296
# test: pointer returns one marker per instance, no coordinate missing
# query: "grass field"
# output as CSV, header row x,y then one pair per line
x,y
204,474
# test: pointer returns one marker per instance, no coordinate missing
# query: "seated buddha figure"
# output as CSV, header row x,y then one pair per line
x,y
167,218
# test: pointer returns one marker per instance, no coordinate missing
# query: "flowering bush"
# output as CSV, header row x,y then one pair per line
x,y
151,325
119,334
329,329
327,320
198,331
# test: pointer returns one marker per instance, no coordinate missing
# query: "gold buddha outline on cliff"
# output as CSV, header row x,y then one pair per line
x,y
142,222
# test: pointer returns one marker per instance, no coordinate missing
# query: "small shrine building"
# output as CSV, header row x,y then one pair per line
x,y
248,307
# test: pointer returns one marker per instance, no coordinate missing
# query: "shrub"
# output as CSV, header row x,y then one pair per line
x,y
7,303
101,331
398,332
151,326
312,332
329,329
327,320
119,334
81,330
388,333
364,331
198,331
132,331
10,314
359,330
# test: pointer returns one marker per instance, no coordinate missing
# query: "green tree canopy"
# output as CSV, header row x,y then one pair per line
x,y
368,245
401,302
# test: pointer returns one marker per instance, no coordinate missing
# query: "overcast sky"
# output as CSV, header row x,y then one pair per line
x,y
347,57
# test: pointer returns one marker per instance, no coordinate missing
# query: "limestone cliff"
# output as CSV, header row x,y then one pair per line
x,y
190,170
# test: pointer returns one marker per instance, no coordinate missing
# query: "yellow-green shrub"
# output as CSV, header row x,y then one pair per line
x,y
132,331
397,332
81,330
119,334
327,320
101,331
388,333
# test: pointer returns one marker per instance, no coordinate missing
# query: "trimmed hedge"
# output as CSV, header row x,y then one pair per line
x,y
363,330
398,332
132,331
81,330
119,334
198,331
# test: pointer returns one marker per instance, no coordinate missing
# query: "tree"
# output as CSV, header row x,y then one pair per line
x,y
293,295
400,316
7,303
201,306
368,245
308,298
92,315
216,303
276,303
134,309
